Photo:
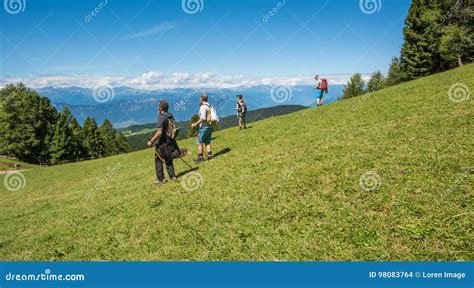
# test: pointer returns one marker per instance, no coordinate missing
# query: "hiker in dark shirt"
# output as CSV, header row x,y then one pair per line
x,y
241,108
165,146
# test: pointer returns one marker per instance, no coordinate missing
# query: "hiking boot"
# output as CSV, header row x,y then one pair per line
x,y
173,179
199,159
158,182
209,157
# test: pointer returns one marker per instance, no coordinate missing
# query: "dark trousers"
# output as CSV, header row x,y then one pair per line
x,y
160,175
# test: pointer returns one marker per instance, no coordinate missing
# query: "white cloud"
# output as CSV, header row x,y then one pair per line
x,y
162,27
155,80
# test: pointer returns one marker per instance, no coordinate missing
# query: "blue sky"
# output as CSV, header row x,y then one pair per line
x,y
226,38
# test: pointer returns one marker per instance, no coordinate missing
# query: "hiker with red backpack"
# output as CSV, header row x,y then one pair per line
x,y
207,116
321,88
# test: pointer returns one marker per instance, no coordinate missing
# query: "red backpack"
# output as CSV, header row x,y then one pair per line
x,y
324,85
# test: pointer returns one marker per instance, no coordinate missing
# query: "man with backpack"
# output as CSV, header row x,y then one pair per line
x,y
241,112
166,149
321,88
207,116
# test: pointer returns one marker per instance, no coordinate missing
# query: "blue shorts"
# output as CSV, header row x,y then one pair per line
x,y
319,94
204,136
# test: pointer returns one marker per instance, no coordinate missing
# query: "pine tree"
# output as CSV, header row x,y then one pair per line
x,y
79,149
122,143
108,135
93,139
376,82
420,52
354,87
28,122
453,44
395,74
62,140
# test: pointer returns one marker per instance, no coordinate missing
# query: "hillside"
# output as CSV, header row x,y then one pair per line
x,y
138,135
286,189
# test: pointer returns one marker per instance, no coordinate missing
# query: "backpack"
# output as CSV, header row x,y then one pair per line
x,y
324,85
212,115
242,107
173,129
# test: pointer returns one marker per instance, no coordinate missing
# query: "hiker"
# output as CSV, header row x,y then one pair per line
x,y
241,108
205,129
321,88
166,148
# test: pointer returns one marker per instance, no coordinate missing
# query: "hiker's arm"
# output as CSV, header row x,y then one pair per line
x,y
198,122
202,116
156,136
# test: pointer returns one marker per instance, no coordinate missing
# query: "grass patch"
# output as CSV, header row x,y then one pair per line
x,y
287,189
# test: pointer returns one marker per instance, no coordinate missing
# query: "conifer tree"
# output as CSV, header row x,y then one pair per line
x,y
354,87
376,82
62,139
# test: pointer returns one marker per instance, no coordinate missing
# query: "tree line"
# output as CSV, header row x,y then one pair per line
x,y
438,36
34,131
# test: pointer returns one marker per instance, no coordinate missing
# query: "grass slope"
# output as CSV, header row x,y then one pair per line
x,y
288,189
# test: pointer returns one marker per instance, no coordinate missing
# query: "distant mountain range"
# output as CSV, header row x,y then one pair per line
x,y
126,106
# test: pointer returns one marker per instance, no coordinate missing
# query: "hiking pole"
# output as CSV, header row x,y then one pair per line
x,y
158,154
186,163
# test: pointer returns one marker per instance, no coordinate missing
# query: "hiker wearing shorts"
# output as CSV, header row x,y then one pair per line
x,y
205,130
241,108
165,146
319,91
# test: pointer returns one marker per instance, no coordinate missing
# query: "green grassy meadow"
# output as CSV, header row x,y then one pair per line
x,y
288,188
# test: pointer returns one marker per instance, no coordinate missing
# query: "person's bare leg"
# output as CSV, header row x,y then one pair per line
x,y
209,148
200,149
